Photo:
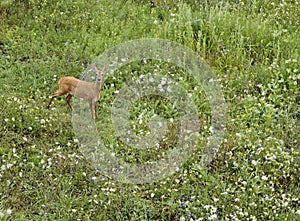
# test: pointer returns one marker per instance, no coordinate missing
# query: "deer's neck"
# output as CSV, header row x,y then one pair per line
x,y
98,84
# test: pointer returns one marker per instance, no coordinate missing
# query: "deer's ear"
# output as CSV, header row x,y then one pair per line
x,y
104,68
95,69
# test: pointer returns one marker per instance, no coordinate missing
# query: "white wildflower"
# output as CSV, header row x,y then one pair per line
x,y
8,211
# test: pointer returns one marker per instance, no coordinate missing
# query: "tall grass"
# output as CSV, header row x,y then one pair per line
x,y
253,46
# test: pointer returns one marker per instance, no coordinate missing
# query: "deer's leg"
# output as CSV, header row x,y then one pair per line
x,y
92,107
96,111
54,95
68,99
48,106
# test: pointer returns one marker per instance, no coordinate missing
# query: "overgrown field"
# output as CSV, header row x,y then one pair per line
x,y
253,48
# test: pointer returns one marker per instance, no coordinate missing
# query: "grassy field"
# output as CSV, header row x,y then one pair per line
x,y
254,49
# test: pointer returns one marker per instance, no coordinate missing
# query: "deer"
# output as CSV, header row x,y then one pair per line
x,y
89,91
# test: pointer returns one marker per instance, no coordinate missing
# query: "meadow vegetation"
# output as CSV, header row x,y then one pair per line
x,y
254,49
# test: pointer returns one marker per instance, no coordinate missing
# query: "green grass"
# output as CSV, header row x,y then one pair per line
x,y
253,46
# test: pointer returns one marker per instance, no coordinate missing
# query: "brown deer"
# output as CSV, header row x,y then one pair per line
x,y
89,91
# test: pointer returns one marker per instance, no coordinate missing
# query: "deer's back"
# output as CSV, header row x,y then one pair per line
x,y
85,90
68,84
